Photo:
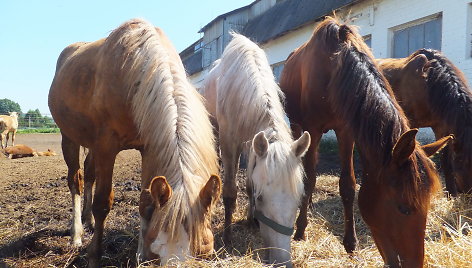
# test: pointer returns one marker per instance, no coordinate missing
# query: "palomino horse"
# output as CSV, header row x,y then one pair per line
x,y
332,82
434,93
248,107
8,123
21,150
130,90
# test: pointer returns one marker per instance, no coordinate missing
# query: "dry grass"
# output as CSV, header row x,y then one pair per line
x,y
448,240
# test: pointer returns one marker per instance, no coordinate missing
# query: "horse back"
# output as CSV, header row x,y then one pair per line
x,y
304,81
88,93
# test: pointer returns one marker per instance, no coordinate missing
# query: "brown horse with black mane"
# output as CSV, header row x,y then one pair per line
x,y
332,82
434,93
126,91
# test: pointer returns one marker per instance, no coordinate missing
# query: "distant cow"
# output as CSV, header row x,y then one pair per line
x,y
8,123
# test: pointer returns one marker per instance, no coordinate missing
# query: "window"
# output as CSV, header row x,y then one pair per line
x,y
277,69
426,33
469,30
368,40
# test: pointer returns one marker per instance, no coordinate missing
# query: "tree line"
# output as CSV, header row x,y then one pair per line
x,y
30,119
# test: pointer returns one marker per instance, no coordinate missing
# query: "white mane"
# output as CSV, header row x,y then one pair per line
x,y
171,119
247,79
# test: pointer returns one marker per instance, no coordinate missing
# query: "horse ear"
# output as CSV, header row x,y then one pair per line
x,y
300,146
160,190
435,147
260,144
211,191
405,146
418,63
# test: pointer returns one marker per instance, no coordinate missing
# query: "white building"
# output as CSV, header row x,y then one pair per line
x,y
393,28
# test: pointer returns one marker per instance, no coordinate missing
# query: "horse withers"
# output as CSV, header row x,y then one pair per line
x,y
332,82
130,90
8,124
434,93
246,101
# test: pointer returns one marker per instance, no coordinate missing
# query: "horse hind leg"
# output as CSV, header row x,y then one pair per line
x,y
230,156
347,188
75,182
89,178
104,159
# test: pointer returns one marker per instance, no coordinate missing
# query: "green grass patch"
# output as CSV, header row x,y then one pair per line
x,y
38,130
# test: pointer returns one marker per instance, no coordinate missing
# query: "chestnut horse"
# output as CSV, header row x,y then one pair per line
x,y
126,91
332,82
242,91
434,93
8,124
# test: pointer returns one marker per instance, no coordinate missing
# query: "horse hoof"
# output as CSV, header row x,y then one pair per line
x,y
77,243
228,238
299,237
252,223
93,263
350,247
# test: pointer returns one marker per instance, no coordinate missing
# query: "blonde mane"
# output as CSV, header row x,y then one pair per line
x,y
171,119
248,81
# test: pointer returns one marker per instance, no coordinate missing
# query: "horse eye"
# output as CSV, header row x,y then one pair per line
x,y
259,198
404,209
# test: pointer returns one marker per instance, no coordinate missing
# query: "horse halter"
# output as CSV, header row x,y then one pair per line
x,y
281,229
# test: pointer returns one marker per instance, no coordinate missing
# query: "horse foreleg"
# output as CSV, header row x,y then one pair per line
x,y
89,178
347,188
309,163
2,138
230,156
446,163
6,140
13,138
446,166
104,159
75,182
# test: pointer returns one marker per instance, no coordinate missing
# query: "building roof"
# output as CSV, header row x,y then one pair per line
x,y
225,15
289,15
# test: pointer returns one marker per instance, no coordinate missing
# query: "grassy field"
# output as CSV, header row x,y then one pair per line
x,y
38,130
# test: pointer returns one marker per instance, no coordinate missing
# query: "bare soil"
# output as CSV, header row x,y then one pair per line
x,y
35,213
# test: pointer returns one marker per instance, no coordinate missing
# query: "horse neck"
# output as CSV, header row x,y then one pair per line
x,y
374,117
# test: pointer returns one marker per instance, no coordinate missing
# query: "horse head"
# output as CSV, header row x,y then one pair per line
x,y
165,236
275,175
393,202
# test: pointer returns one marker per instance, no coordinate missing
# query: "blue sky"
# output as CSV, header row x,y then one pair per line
x,y
33,34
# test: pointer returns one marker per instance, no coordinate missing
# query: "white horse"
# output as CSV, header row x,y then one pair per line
x,y
8,123
248,107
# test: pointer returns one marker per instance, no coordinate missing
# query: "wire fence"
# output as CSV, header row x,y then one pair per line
x,y
36,121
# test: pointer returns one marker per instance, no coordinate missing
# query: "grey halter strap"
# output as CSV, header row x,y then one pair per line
x,y
272,224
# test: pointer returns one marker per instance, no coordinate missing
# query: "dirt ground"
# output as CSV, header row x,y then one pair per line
x,y
35,213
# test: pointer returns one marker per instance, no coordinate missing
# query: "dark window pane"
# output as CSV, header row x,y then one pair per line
x,y
415,38
432,34
400,44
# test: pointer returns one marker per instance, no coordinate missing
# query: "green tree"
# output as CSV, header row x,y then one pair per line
x,y
7,106
34,119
